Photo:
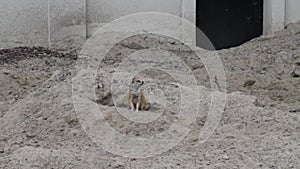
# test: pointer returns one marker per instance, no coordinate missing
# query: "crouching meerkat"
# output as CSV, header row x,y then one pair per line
x,y
137,100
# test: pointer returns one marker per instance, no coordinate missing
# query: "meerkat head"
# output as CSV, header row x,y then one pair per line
x,y
136,83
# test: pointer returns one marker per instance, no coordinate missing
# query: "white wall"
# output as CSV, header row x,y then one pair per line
x,y
35,22
23,22
274,16
104,11
292,11
67,18
40,22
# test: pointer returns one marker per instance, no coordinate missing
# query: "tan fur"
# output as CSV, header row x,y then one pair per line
x,y
136,96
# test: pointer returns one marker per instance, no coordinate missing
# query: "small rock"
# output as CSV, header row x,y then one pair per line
x,y
268,50
47,62
249,83
100,85
225,157
295,74
14,76
297,63
172,42
30,136
294,111
6,72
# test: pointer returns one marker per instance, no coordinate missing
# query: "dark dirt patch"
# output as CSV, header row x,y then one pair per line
x,y
14,55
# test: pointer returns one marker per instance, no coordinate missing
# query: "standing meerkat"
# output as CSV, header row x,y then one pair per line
x,y
136,98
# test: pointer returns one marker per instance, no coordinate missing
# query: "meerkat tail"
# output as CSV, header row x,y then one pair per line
x,y
148,106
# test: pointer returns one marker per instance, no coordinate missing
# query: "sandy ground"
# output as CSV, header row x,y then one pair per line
x,y
259,128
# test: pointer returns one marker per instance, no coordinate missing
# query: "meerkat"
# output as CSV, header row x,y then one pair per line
x,y
136,98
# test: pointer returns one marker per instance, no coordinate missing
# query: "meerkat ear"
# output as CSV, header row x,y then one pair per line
x,y
133,79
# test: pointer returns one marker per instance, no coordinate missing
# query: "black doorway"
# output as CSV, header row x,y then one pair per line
x,y
228,23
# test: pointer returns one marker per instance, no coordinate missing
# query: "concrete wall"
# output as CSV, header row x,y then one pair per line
x,y
40,22
23,22
292,11
189,14
44,22
100,12
274,15
67,18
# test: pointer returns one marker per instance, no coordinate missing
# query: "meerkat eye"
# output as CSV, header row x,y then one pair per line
x,y
138,81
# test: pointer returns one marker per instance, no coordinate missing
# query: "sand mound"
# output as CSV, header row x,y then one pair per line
x,y
259,127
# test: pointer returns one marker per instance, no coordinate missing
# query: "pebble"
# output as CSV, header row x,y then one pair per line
x,y
295,74
297,63
6,72
249,83
225,157
14,76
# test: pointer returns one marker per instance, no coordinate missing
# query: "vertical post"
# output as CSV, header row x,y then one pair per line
x,y
182,17
274,15
49,25
292,9
86,19
189,14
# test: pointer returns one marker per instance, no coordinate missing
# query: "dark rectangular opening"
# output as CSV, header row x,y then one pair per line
x,y
228,23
